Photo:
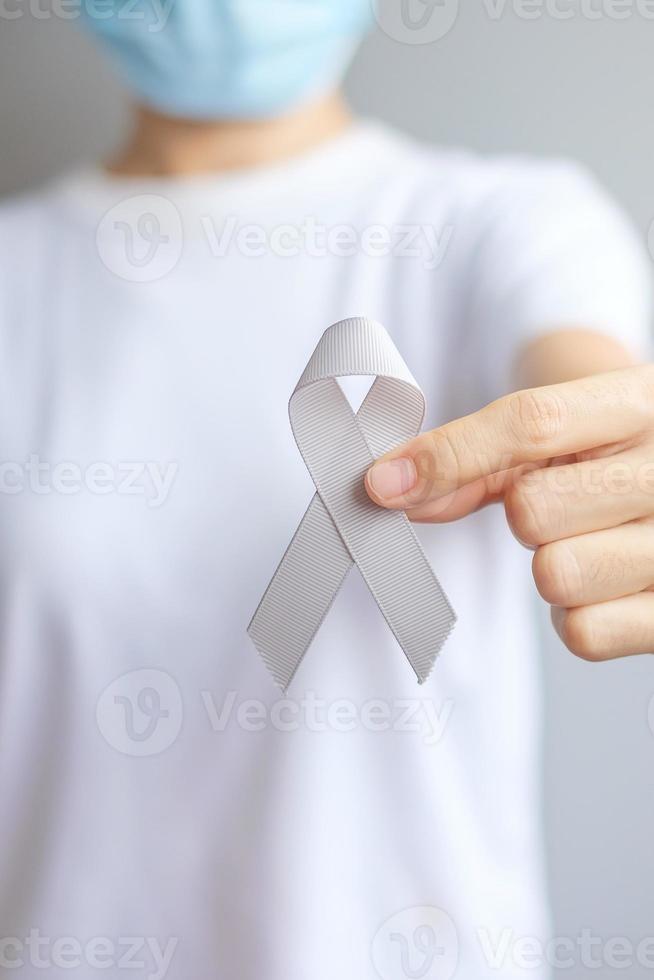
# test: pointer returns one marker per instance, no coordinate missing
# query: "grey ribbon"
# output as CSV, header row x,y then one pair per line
x,y
342,526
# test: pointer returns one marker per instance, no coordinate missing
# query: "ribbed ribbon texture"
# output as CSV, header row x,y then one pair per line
x,y
342,526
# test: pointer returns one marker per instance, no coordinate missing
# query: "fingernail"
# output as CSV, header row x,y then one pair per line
x,y
393,477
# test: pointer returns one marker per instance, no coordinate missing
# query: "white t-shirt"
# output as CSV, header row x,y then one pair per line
x,y
161,803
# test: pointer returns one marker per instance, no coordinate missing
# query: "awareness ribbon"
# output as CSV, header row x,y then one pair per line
x,y
342,526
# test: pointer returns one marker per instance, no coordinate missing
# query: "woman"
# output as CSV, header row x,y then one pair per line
x,y
162,806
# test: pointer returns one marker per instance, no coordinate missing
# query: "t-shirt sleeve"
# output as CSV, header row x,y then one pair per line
x,y
556,252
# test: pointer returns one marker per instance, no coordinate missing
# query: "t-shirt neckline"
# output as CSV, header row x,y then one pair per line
x,y
351,153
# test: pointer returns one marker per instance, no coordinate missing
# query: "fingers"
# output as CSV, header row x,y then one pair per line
x,y
460,503
596,567
467,499
524,427
564,501
619,628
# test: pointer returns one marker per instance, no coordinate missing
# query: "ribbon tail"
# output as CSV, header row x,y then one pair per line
x,y
300,594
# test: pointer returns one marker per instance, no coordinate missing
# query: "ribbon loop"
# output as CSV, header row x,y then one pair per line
x,y
342,526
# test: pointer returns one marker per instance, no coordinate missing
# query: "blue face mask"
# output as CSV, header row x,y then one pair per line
x,y
212,59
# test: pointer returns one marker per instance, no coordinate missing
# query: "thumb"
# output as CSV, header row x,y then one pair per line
x,y
461,501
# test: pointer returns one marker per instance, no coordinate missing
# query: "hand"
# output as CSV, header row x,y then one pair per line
x,y
573,464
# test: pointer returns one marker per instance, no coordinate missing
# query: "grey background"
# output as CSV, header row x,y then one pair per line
x,y
578,87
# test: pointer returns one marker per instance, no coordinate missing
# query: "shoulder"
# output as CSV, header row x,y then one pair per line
x,y
24,230
38,230
39,245
510,216
26,213
29,225
21,218
491,188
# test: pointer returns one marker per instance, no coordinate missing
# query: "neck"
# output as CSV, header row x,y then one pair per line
x,y
161,146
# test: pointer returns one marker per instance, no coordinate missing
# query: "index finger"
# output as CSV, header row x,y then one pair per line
x,y
524,427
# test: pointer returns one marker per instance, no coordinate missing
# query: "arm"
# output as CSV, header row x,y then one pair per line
x,y
568,354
